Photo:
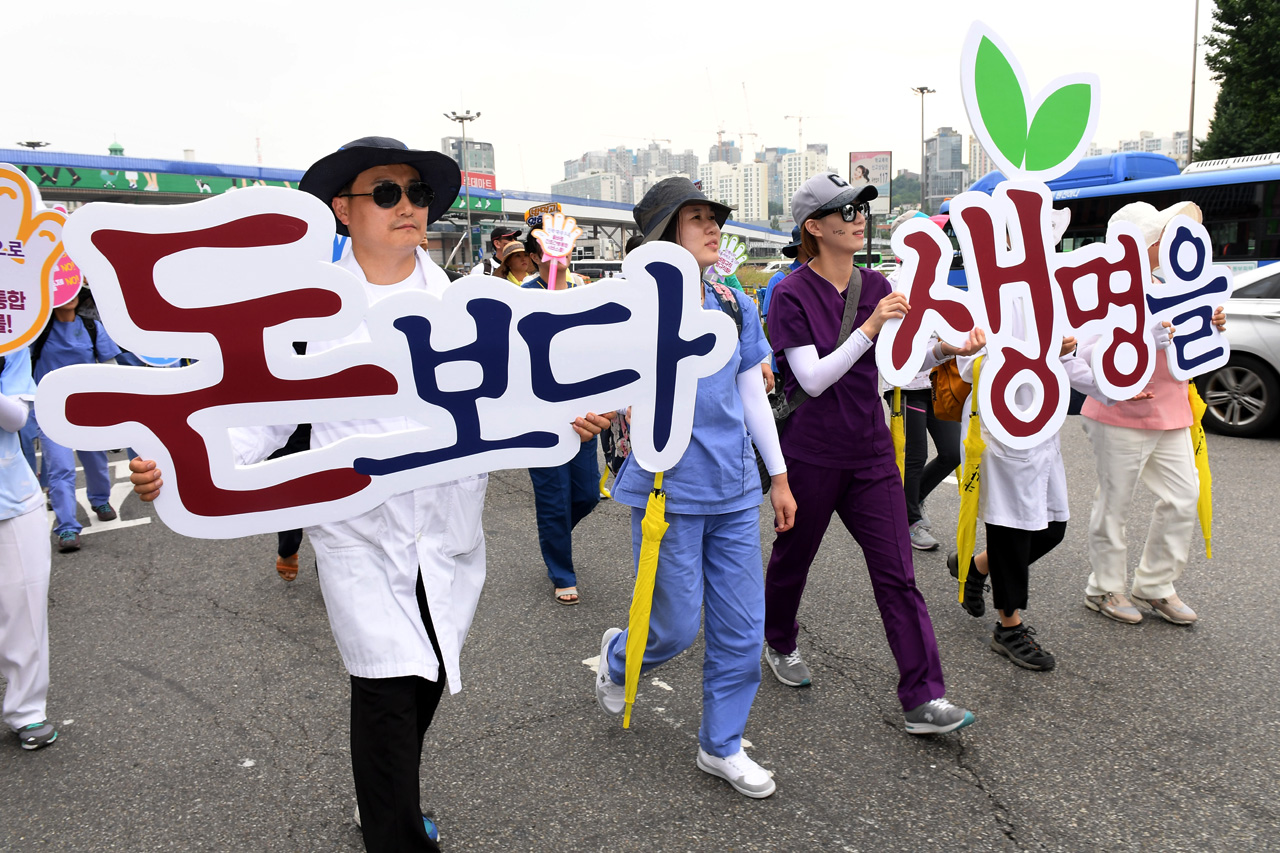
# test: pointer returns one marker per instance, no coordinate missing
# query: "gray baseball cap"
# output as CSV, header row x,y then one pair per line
x,y
827,191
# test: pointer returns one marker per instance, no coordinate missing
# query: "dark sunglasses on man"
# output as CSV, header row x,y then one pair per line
x,y
848,212
387,194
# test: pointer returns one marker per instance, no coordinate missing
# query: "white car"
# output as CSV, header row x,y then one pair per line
x,y
1244,397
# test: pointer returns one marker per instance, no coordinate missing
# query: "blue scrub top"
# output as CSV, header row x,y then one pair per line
x,y
69,343
717,473
19,492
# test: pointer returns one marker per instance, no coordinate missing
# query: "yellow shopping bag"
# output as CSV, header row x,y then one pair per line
x,y
967,523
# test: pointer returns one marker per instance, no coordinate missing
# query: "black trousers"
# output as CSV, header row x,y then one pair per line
x,y
1010,553
289,541
389,718
919,423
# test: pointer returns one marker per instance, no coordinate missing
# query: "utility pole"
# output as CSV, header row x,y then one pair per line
x,y
922,91
465,163
1191,122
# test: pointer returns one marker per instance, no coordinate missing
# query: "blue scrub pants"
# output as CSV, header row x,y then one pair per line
x,y
709,566
59,472
563,496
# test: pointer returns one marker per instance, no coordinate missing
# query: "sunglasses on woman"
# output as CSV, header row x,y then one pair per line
x,y
387,194
848,212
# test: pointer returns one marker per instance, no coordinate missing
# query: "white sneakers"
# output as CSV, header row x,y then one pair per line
x,y
612,698
746,777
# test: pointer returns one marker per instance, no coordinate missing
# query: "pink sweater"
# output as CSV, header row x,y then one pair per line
x,y
1169,409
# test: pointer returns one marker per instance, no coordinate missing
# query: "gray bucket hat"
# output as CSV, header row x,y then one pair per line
x,y
827,191
661,202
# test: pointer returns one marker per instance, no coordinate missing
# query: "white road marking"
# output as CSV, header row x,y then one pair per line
x,y
119,492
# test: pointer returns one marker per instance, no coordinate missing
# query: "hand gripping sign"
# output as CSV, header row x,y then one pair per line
x,y
1028,297
485,376
556,237
30,249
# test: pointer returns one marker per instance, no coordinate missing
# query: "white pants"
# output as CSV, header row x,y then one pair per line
x,y
24,616
1165,462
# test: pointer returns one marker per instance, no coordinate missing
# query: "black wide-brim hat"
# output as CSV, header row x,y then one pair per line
x,y
792,249
328,175
664,198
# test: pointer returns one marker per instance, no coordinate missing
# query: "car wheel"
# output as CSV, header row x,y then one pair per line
x,y
1243,398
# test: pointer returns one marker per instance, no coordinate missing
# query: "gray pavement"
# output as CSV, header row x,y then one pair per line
x,y
203,706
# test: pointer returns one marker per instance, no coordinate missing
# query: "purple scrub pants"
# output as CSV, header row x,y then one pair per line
x,y
870,502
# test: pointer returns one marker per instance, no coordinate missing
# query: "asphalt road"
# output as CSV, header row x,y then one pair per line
x,y
203,706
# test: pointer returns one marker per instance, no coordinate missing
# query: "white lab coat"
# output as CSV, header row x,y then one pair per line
x,y
1027,489
369,564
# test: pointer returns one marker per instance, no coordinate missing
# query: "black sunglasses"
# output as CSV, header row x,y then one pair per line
x,y
848,212
387,194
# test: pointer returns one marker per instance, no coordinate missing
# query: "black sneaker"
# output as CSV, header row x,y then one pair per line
x,y
37,735
975,586
1018,645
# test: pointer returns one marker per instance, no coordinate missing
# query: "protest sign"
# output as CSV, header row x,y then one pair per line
x,y
30,249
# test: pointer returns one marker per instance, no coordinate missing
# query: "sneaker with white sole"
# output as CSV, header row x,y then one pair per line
x,y
37,735
1115,606
937,716
921,538
746,777
790,669
1171,609
612,698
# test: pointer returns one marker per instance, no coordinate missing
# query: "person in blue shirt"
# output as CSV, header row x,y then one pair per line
x,y
709,562
565,494
74,339
24,566
800,258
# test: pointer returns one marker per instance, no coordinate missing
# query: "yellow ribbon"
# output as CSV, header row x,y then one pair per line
x,y
970,481
899,433
653,528
1204,504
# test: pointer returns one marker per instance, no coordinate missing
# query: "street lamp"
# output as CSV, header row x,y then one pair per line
x,y
33,145
462,120
922,91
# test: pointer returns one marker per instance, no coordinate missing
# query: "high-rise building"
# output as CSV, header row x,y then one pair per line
x,y
593,184
798,167
945,175
773,162
742,186
725,152
616,161
479,154
980,163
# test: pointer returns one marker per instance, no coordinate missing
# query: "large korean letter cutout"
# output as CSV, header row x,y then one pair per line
x,y
1028,297
481,375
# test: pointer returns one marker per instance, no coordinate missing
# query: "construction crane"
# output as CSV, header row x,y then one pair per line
x,y
750,126
799,128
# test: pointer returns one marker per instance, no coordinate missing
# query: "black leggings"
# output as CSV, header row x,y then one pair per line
x,y
1010,553
389,718
919,423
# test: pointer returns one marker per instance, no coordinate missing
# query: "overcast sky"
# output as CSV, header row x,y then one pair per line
x,y
305,78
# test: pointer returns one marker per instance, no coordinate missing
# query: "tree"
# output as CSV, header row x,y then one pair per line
x,y
905,190
1244,56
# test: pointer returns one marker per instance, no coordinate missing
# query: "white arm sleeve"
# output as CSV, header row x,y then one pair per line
x,y
253,444
759,418
816,375
1080,373
13,413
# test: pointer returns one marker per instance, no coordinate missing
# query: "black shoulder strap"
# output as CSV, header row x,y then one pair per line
x,y
38,344
729,306
852,295
92,328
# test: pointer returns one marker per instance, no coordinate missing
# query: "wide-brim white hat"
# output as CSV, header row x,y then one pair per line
x,y
1151,222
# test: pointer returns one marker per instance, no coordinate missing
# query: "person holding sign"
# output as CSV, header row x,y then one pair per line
x,y
400,581
1147,440
823,319
25,556
709,558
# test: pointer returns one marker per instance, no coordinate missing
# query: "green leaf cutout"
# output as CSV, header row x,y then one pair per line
x,y
1058,127
1000,102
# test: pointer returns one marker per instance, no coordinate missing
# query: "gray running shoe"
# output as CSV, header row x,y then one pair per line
x,y
924,516
1171,609
612,698
37,735
746,777
790,669
937,716
921,539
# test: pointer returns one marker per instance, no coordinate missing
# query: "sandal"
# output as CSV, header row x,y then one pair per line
x,y
287,567
567,595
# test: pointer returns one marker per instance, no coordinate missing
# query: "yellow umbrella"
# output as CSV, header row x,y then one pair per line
x,y
1204,506
967,524
604,479
899,433
653,528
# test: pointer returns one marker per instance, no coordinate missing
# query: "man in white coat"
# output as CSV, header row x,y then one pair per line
x,y
401,581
